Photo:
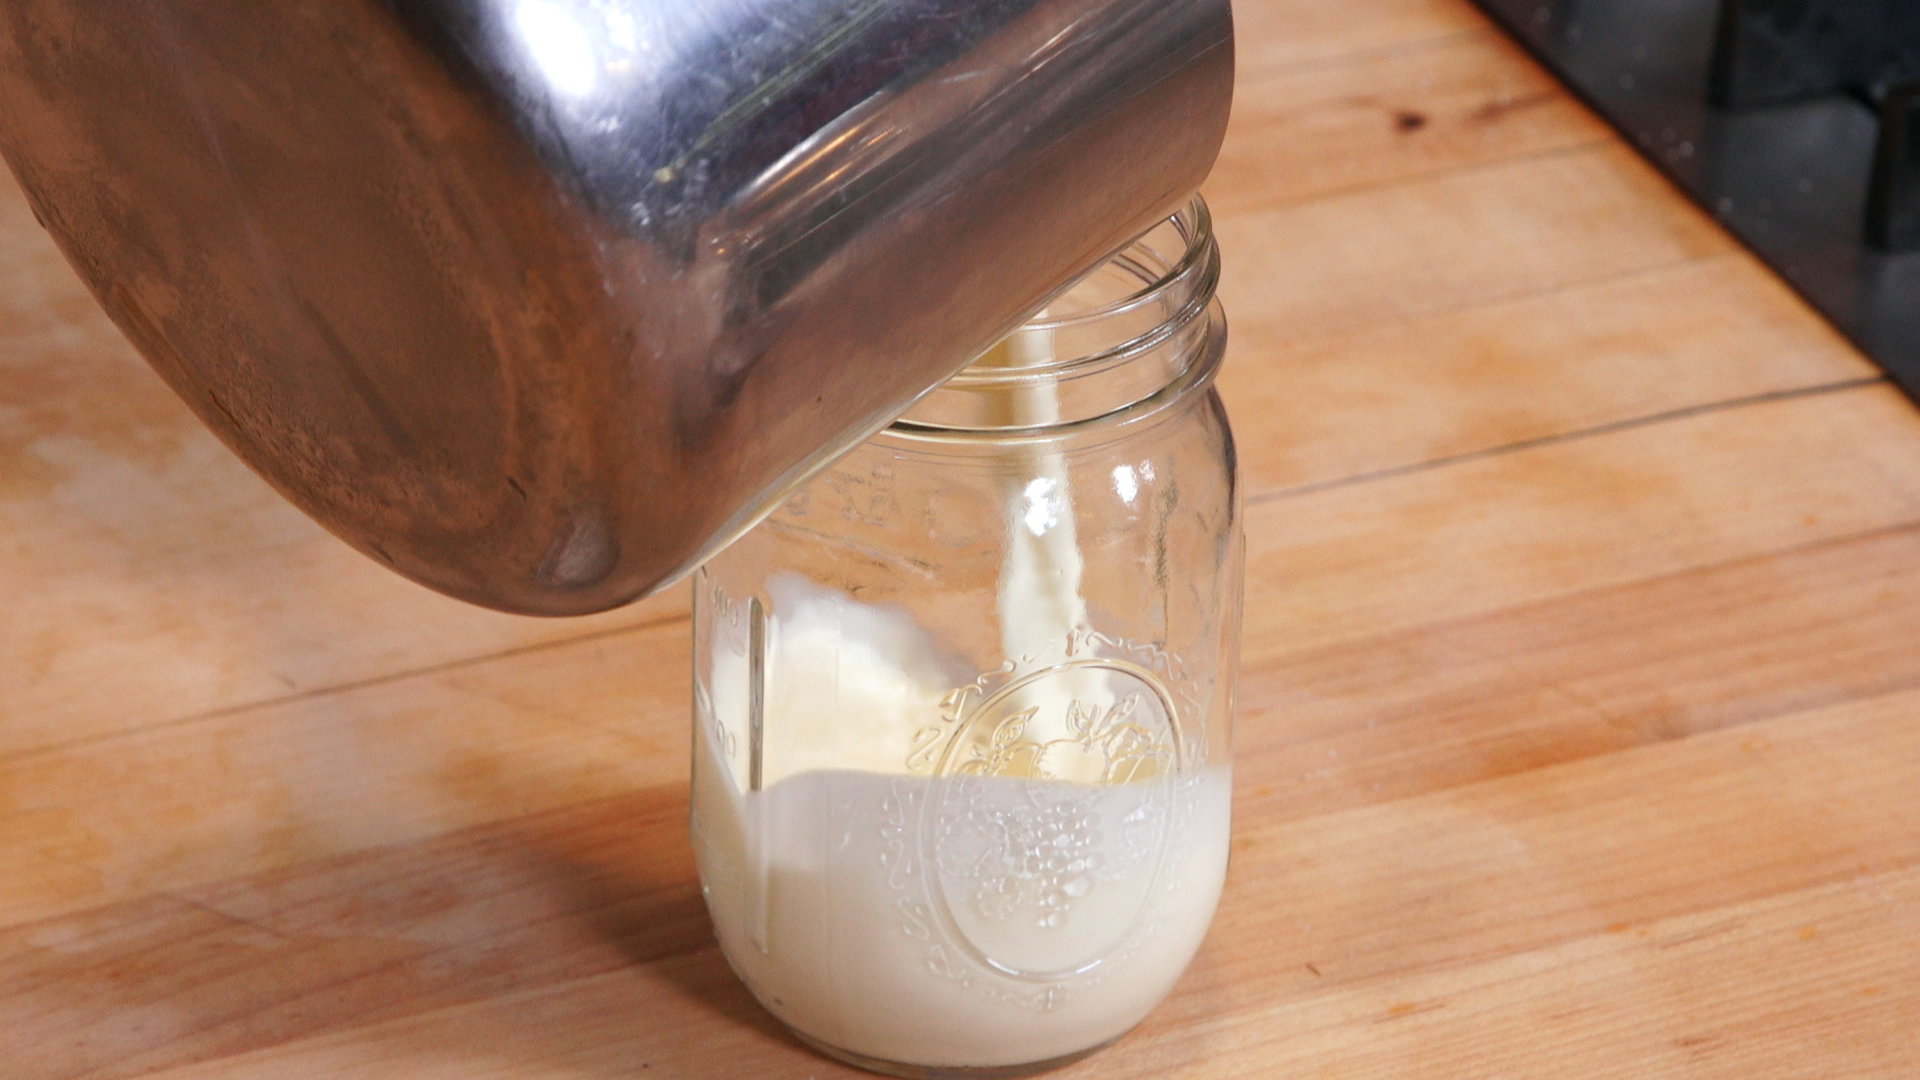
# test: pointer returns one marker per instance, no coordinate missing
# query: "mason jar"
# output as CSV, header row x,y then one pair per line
x,y
961,773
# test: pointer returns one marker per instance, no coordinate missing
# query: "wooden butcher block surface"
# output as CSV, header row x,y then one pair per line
x,y
1579,733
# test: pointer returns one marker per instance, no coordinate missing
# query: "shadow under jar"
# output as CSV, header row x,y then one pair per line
x,y
963,706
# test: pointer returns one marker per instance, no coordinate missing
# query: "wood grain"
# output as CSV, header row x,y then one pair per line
x,y
1487,532
1357,261
1389,115
1616,350
1575,728
1278,34
146,574
332,773
1465,915
342,772
1658,659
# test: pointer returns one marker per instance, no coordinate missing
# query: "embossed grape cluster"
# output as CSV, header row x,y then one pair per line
x,y
1050,861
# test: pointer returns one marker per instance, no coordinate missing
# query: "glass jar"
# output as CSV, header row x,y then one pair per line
x,y
963,704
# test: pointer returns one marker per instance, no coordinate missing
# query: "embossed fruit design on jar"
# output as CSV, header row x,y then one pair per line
x,y
963,704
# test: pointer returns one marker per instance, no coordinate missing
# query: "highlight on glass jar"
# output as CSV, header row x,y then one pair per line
x,y
963,705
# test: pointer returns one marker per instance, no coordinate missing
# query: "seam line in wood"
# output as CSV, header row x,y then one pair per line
x,y
345,687
1599,141
1252,500
1331,339
1599,145
1336,984
1283,660
1581,434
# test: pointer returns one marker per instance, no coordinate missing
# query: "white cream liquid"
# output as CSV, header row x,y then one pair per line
x,y
831,926
878,901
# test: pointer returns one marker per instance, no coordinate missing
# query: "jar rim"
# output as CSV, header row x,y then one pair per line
x,y
1194,378
1196,236
1194,223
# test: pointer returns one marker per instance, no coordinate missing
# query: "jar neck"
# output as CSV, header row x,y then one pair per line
x,y
1120,334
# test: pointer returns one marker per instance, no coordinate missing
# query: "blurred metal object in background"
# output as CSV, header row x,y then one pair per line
x,y
543,301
